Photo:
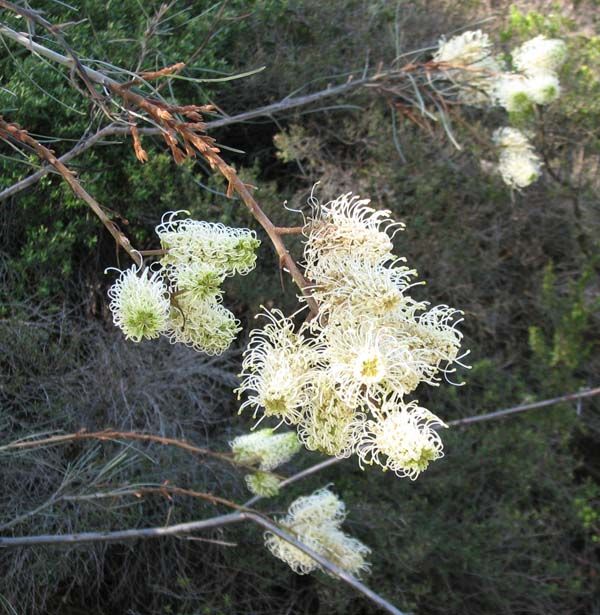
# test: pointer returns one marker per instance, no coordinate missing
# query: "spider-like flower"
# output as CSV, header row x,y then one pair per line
x,y
230,250
264,448
514,93
321,507
205,326
349,553
540,55
348,228
364,288
329,424
519,165
264,484
466,49
402,439
140,304
276,368
544,88
315,520
433,334
200,281
471,65
369,361
517,93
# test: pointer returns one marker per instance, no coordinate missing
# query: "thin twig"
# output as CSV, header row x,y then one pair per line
x,y
289,230
12,131
111,434
523,408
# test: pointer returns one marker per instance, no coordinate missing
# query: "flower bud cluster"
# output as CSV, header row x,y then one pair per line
x,y
342,379
180,297
467,59
267,451
316,520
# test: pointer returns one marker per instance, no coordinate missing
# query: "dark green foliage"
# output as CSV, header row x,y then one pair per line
x,y
507,522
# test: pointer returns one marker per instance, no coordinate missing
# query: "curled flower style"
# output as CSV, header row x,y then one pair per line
x,y
471,65
370,342
265,448
205,326
433,334
363,288
140,304
263,484
200,281
402,439
347,228
276,368
329,424
230,250
319,508
315,520
297,560
519,165
370,361
540,55
349,553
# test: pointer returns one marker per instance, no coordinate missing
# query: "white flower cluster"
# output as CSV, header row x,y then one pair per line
x,y
316,520
267,451
519,165
467,59
343,378
182,299
538,61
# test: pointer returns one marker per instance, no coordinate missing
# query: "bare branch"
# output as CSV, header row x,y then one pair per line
x,y
524,408
110,434
194,526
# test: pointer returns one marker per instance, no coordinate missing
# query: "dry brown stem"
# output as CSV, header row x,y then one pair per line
x,y
14,132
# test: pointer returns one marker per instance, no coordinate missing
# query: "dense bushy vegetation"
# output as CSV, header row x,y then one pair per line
x,y
507,522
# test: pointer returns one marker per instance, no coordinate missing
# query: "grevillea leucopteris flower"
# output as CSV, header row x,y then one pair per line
x,y
481,79
315,520
343,377
181,296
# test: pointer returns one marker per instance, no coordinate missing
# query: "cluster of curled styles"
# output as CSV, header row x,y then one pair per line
x,y
484,79
180,297
316,520
343,378
265,451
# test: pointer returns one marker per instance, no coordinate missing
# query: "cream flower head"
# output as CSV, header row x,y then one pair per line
x,y
140,304
540,55
472,65
230,250
402,439
519,165
329,424
265,448
205,326
276,369
315,520
348,228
